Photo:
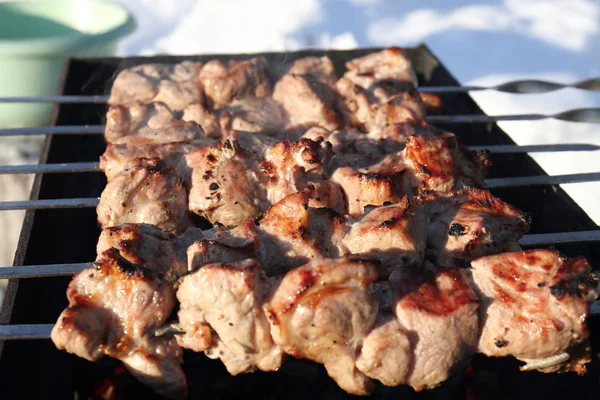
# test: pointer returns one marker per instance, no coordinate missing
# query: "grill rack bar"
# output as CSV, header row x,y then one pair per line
x,y
91,166
94,166
587,115
42,331
540,180
85,202
526,86
494,183
53,270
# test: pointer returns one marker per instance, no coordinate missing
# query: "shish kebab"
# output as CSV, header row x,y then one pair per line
x,y
252,293
242,142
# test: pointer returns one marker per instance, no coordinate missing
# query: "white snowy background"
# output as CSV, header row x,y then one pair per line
x,y
486,43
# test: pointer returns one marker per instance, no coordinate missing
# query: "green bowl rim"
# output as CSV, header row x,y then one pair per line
x,y
68,44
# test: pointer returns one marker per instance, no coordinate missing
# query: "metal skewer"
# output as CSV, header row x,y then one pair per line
x,y
528,86
50,168
49,204
52,270
540,180
42,331
494,183
64,99
94,166
588,115
50,130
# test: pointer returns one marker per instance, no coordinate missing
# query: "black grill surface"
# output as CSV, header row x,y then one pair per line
x,y
36,370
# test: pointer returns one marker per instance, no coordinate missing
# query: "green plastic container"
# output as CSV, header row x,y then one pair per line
x,y
35,39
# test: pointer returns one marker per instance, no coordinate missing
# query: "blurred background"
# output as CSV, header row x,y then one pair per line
x,y
484,43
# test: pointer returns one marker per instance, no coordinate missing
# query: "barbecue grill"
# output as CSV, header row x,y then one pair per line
x,y
60,232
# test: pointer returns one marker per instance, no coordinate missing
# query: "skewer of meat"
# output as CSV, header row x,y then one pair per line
x,y
144,123
240,177
416,328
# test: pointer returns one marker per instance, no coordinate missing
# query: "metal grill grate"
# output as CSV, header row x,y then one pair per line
x,y
60,230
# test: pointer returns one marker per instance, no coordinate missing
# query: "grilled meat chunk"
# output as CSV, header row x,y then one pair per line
x,y
209,120
394,235
127,152
307,102
293,166
535,305
221,312
387,352
148,193
219,192
225,186
152,122
382,73
294,233
248,114
437,313
372,171
114,309
322,311
255,115
471,223
174,85
364,111
237,79
320,68
439,163
384,182
144,245
223,245
139,119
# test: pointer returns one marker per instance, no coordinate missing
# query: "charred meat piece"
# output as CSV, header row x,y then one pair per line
x,y
360,150
439,163
294,233
320,68
471,223
114,309
433,104
144,245
535,305
255,115
151,122
384,182
371,170
223,245
322,311
437,328
269,173
292,166
225,186
221,312
174,85
128,151
383,73
148,193
402,107
209,120
307,102
394,235
364,111
248,114
139,119
237,79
